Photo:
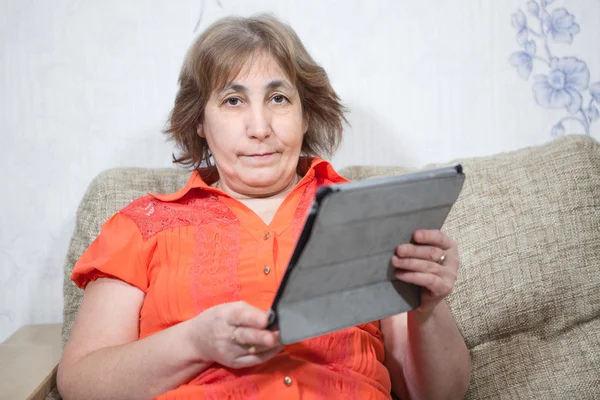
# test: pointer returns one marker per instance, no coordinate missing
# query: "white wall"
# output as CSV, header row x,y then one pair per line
x,y
87,85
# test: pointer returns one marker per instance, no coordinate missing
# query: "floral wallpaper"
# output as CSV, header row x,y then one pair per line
x,y
561,82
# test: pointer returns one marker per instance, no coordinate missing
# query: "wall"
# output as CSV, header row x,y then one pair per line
x,y
87,85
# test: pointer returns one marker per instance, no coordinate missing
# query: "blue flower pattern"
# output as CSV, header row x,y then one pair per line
x,y
568,78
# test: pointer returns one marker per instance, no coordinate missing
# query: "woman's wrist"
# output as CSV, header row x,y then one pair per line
x,y
421,317
193,338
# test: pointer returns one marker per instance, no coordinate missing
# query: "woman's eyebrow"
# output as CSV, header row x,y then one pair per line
x,y
278,83
236,87
274,84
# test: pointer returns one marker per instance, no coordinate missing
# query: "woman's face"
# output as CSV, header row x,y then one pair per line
x,y
255,128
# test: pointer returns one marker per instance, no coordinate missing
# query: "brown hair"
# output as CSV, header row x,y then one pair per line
x,y
219,54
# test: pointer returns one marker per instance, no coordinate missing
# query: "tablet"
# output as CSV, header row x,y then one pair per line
x,y
340,273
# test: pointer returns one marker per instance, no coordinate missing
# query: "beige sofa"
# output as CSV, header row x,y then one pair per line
x,y
527,300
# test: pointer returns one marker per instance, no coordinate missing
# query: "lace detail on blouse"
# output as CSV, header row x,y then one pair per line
x,y
304,205
214,278
214,274
153,216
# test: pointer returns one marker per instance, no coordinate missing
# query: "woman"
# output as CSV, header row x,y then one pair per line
x,y
177,286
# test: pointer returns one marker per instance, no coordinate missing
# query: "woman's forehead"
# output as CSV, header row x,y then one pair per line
x,y
259,67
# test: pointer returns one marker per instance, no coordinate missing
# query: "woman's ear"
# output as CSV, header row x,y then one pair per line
x,y
305,123
200,131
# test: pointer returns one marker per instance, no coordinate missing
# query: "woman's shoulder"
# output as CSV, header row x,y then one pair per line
x,y
153,214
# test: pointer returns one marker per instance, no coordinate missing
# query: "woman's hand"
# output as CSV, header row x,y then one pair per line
x,y
234,335
431,262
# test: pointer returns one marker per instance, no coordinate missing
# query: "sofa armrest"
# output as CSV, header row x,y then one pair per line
x,y
28,362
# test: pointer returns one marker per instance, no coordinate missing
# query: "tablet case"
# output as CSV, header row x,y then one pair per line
x,y
340,273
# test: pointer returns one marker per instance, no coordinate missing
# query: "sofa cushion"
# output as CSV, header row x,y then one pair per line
x,y
527,300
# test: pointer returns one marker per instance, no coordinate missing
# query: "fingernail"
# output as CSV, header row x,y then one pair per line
x,y
398,261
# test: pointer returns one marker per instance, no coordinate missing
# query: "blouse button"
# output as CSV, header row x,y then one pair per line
x,y
288,381
266,236
267,270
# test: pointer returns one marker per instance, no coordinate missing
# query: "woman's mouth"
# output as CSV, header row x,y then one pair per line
x,y
260,155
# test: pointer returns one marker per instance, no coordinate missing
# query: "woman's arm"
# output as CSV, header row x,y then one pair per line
x,y
426,355
103,358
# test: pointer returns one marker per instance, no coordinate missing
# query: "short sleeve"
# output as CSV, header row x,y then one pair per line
x,y
117,252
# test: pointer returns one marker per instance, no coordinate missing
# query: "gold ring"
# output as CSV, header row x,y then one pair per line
x,y
442,259
252,349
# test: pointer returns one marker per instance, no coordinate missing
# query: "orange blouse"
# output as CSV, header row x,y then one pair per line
x,y
199,247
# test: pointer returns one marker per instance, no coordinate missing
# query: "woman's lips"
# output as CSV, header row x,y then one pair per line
x,y
259,159
260,155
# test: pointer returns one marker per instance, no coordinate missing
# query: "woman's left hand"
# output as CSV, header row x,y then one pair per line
x,y
430,262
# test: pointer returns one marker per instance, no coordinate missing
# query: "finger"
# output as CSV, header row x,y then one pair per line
x,y
423,252
260,338
258,350
434,238
436,285
417,265
243,314
250,360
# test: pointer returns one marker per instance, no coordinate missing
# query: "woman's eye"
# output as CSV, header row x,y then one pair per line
x,y
279,98
232,101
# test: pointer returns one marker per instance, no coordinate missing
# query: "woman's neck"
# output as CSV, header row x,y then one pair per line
x,y
278,194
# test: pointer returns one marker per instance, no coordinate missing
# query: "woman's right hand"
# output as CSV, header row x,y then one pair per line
x,y
234,335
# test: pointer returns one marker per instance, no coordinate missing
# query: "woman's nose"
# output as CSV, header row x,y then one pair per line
x,y
259,123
